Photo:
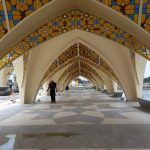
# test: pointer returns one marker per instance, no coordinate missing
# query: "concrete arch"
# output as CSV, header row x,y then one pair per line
x,y
105,79
65,71
119,64
110,15
110,64
91,79
105,66
56,7
96,83
79,64
88,69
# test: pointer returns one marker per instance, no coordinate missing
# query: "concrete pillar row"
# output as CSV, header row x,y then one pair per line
x,y
18,65
4,75
119,61
140,64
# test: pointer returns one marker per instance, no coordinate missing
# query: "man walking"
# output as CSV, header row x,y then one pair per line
x,y
52,87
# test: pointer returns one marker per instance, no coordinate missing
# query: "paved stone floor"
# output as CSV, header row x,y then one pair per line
x,y
80,120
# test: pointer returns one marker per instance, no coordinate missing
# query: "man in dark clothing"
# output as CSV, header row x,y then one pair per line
x,y
52,87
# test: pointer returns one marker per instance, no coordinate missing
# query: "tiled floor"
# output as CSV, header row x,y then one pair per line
x,y
80,120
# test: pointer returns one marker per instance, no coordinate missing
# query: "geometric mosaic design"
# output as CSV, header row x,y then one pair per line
x,y
75,19
19,9
79,67
131,10
146,15
74,54
3,27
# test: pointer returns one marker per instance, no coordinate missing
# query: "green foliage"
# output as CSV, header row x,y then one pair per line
x,y
147,80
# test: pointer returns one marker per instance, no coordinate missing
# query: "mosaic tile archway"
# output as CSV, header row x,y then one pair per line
x,y
80,67
15,11
75,53
84,74
75,19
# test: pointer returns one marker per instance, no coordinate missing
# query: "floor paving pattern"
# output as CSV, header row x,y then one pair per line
x,y
80,120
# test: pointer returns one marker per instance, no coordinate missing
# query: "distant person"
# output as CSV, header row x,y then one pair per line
x,y
67,87
52,87
10,86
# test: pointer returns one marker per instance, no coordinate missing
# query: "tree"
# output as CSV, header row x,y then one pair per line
x,y
147,80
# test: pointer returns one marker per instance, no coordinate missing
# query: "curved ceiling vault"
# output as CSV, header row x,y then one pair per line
x,y
79,67
73,19
78,52
84,74
15,11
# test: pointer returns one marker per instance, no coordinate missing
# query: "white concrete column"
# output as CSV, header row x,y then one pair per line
x,y
45,86
115,85
4,75
18,67
140,63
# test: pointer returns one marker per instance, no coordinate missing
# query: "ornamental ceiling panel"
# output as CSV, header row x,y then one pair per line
x,y
69,54
73,66
75,19
79,53
131,9
79,67
3,26
88,68
19,9
53,66
146,15
84,51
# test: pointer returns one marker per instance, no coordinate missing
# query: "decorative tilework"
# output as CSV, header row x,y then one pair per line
x,y
78,67
84,51
108,72
68,54
90,23
19,9
3,27
48,74
129,8
86,56
146,15
75,65
69,21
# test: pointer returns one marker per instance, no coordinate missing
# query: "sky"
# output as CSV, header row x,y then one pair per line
x,y
147,70
82,78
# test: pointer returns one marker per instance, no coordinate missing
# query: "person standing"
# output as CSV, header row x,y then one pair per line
x,y
52,87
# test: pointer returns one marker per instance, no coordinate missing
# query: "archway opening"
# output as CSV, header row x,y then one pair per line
x,y
146,82
9,90
81,82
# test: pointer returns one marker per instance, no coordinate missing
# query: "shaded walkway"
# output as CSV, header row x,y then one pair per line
x,y
80,119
